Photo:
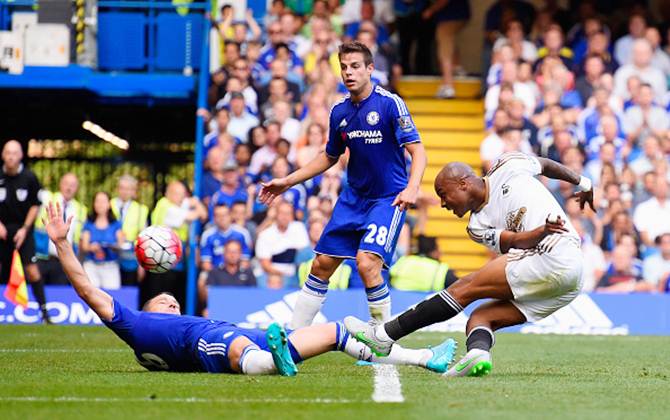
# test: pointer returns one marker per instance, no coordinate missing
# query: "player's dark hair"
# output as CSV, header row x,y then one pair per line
x,y
355,47
146,304
92,215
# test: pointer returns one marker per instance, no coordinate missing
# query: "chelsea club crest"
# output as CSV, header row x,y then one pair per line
x,y
372,118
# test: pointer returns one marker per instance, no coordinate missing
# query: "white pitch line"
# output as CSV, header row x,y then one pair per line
x,y
387,384
187,400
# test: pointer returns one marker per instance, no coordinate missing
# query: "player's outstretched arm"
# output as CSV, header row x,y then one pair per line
x,y
270,190
98,300
555,170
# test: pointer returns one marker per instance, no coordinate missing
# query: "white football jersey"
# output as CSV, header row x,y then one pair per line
x,y
516,201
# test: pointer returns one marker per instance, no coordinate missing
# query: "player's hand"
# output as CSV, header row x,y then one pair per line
x,y
585,197
270,190
3,232
19,237
406,198
56,228
554,226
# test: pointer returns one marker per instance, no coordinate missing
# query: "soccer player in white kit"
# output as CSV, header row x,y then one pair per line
x,y
537,272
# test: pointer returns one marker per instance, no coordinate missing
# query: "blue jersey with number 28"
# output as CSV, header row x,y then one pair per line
x,y
375,131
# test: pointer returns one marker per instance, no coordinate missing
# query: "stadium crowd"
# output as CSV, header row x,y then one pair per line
x,y
570,90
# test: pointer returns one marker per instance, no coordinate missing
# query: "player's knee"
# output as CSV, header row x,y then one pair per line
x,y
369,265
322,268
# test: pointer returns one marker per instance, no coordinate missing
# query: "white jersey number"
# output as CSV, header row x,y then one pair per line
x,y
381,232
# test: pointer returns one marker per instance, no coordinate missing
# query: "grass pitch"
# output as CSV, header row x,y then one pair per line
x,y
60,372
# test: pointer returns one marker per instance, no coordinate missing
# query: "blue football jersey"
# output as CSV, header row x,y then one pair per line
x,y
375,131
162,341
214,240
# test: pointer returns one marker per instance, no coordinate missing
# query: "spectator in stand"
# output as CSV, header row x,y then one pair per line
x,y
422,272
656,268
593,70
262,158
652,217
560,142
313,143
279,70
606,157
450,17
609,129
242,221
660,59
622,276
554,48
509,76
517,119
217,126
241,120
645,118
493,146
651,154
379,11
598,45
290,26
619,226
514,37
413,32
623,48
48,263
367,21
242,73
276,9
589,119
240,32
233,272
278,244
133,217
642,68
580,46
213,176
232,189
277,37
216,237
593,259
101,239
231,52
290,127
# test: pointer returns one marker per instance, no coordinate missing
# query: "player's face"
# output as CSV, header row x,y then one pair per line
x,y
453,196
164,304
355,74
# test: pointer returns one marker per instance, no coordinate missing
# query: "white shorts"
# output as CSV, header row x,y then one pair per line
x,y
104,274
542,283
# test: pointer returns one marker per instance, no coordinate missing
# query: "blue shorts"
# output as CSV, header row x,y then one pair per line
x,y
364,224
213,346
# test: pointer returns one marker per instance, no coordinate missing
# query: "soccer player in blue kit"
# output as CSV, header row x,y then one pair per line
x,y
376,127
163,339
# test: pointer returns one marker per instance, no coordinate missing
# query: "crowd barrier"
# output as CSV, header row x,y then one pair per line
x,y
593,314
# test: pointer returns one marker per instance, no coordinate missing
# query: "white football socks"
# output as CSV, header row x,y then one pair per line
x,y
255,361
309,302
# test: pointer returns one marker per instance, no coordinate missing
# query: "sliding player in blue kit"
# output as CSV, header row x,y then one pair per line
x,y
376,127
163,339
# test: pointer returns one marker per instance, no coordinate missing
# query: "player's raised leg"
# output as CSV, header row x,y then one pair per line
x,y
483,321
318,339
489,282
376,289
313,293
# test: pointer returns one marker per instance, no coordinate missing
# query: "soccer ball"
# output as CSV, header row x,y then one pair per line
x,y
158,249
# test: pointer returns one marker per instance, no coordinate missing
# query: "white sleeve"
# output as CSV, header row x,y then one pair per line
x,y
485,235
175,216
263,249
